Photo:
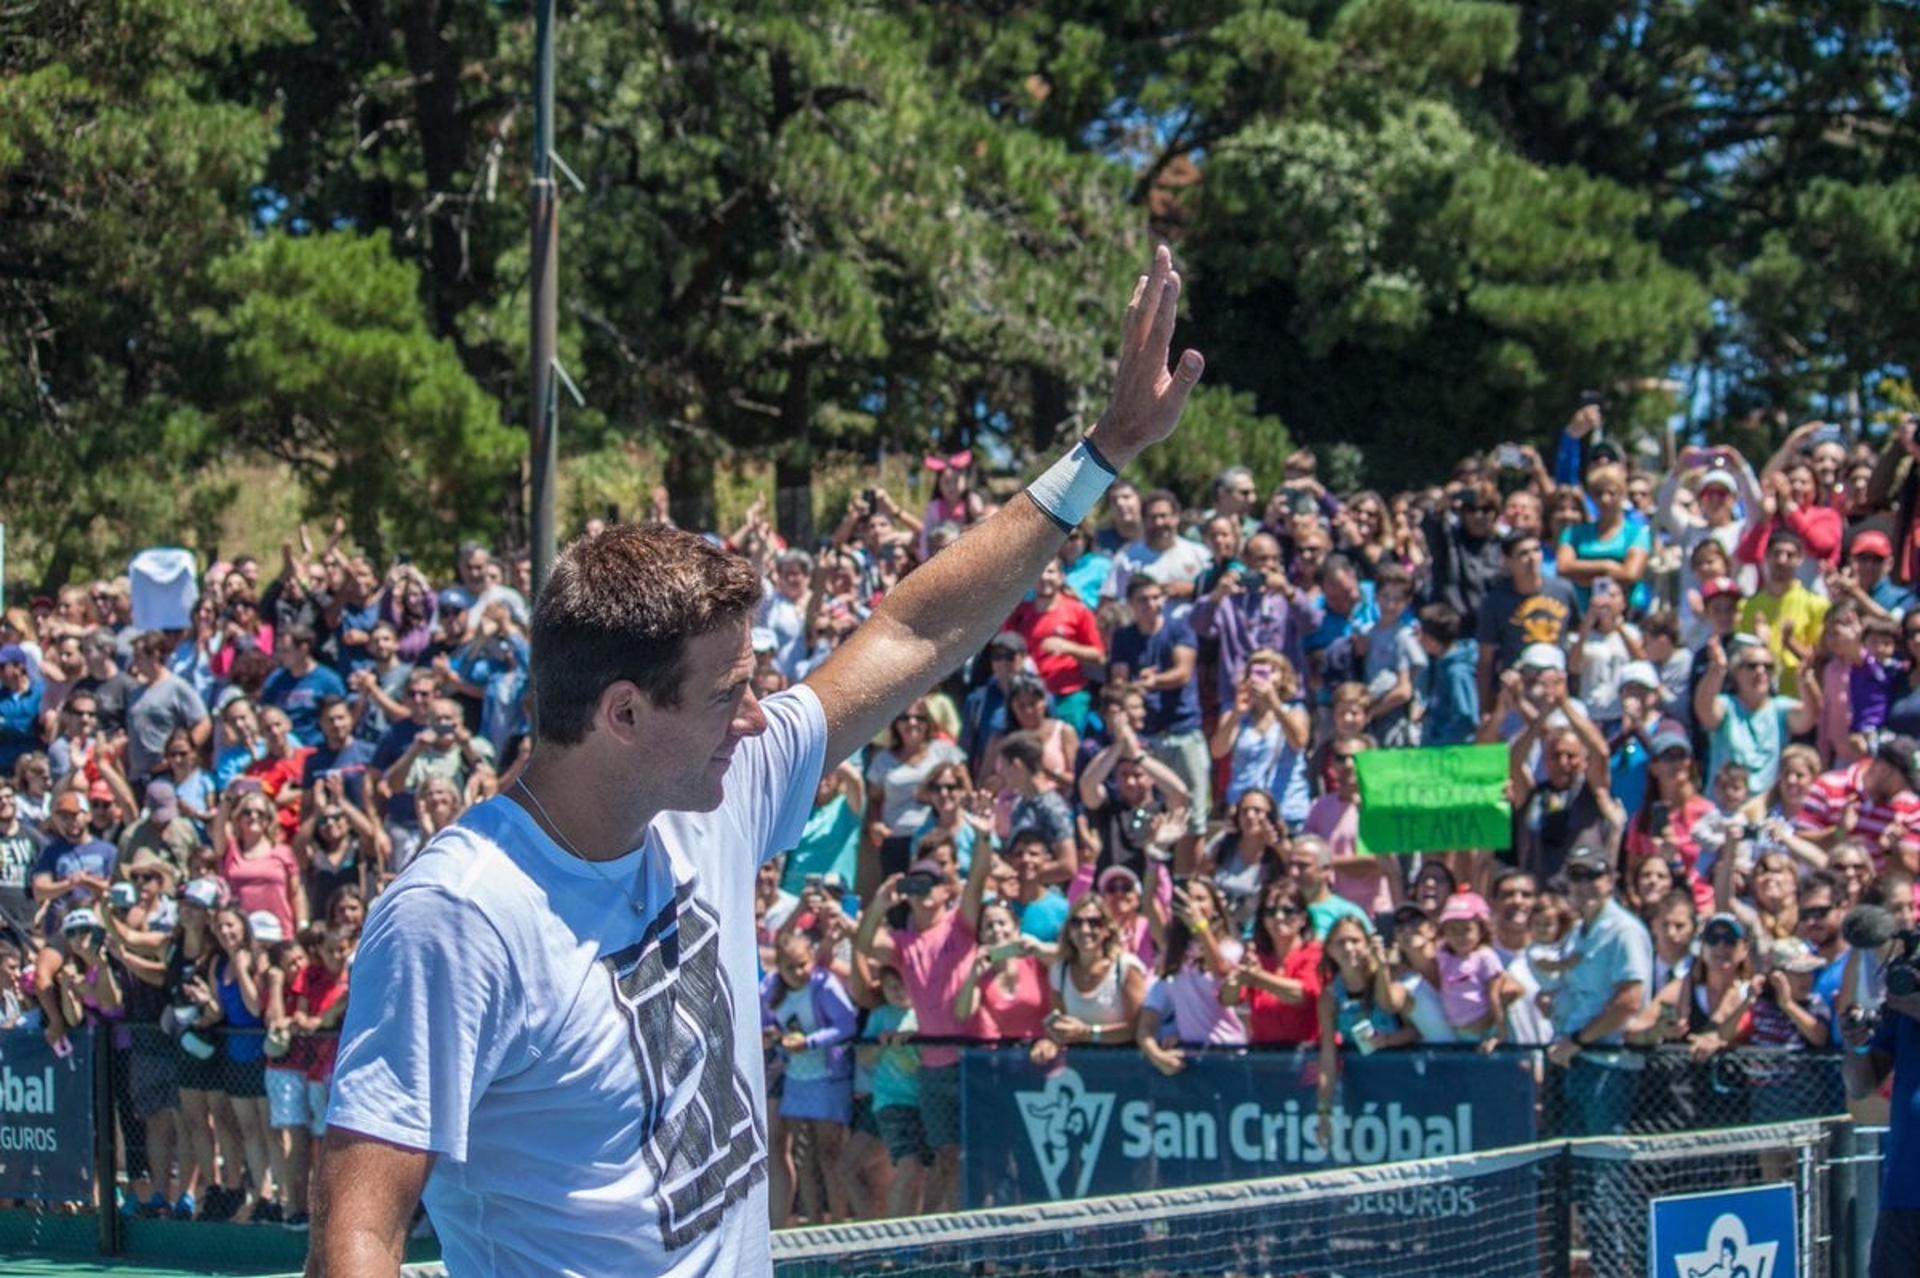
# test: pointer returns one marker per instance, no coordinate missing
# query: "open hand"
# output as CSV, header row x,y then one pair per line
x,y
1148,396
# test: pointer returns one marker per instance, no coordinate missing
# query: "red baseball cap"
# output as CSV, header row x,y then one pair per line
x,y
1873,542
1717,586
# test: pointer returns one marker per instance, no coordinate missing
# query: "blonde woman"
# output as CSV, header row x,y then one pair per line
x,y
1098,985
1607,546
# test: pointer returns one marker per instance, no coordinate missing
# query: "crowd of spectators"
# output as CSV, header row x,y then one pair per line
x,y
1131,822
193,820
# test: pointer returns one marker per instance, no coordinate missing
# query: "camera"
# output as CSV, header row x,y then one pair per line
x,y
917,883
1903,969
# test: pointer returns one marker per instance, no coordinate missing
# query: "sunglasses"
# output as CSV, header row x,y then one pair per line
x,y
912,718
1814,913
1088,924
1581,874
1483,510
1764,666
258,814
147,877
947,787
1119,889
1285,912
1719,936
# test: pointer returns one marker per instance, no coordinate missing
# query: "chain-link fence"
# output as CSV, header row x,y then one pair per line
x,y
160,1141
199,1139
1610,1182
1666,1090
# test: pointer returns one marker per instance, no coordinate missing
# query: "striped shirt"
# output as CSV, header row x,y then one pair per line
x,y
1835,792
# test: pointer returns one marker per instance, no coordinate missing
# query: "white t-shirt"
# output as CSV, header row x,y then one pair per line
x,y
1182,561
580,1043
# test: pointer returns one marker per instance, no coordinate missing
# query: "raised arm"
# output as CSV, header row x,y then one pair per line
x,y
952,604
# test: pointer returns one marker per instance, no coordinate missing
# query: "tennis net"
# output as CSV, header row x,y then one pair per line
x,y
1479,1216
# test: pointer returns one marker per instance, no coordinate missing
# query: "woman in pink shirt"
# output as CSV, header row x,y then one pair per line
x,y
263,872
1005,995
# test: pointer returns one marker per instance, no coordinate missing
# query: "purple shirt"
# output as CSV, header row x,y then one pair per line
x,y
1463,984
1248,622
1870,686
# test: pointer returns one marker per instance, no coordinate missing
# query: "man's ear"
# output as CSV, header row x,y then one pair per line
x,y
625,711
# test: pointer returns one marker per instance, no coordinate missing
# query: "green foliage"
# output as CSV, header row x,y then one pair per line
x,y
123,169
330,368
295,229
1220,429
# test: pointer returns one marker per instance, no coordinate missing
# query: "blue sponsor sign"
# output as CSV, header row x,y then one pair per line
x,y
1734,1233
46,1118
1101,1123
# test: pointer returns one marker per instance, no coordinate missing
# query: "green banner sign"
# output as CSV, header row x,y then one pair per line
x,y
1444,799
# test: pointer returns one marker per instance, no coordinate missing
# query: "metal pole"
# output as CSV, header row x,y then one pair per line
x,y
543,427
111,1238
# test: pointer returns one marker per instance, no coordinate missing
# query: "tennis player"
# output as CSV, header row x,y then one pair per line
x,y
554,1034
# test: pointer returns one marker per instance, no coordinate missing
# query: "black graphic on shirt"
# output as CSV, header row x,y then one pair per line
x,y
703,1143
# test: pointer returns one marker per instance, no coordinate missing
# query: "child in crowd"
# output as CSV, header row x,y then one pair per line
x,y
1873,682
1473,985
1451,695
1839,654
1660,642
1607,642
1549,951
893,1065
1396,661
1788,1017
806,1013
13,1007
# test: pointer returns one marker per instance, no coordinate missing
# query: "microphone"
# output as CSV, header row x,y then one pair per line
x,y
1867,927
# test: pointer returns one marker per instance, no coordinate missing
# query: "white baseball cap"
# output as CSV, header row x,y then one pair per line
x,y
1641,673
1542,656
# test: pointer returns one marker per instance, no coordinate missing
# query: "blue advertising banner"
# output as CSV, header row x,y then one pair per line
x,y
1104,1122
46,1118
1734,1233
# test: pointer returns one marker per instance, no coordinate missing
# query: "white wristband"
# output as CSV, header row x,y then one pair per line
x,y
1071,487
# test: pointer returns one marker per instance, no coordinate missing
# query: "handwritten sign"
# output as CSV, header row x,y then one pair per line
x,y
1443,799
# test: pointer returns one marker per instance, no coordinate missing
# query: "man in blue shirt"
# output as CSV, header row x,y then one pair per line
x,y
300,684
341,754
1874,1050
73,871
1601,994
1158,655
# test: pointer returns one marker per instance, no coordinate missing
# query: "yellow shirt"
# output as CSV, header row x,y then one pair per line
x,y
1799,607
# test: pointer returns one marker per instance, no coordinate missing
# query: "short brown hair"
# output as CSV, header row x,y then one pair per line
x,y
621,605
